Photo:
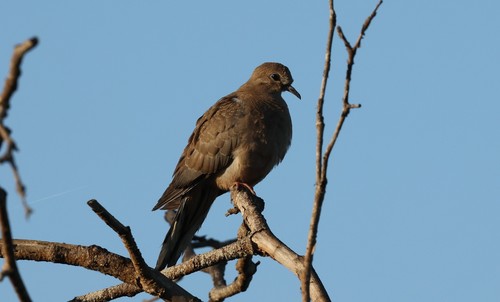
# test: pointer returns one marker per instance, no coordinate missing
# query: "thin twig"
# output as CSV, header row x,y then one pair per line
x,y
320,125
323,160
15,71
10,267
320,183
11,83
351,51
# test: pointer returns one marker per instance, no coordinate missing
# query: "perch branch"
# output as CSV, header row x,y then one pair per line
x,y
268,244
258,239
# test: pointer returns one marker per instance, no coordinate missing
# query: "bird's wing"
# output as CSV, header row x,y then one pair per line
x,y
209,149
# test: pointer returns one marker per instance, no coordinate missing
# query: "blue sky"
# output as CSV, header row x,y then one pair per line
x,y
109,97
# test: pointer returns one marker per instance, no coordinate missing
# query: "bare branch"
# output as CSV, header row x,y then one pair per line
x,y
320,124
246,269
235,250
9,268
367,23
90,257
110,293
216,271
10,87
15,71
268,244
320,181
150,280
257,239
351,51
202,242
323,160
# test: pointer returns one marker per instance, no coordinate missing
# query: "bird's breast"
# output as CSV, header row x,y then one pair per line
x,y
261,147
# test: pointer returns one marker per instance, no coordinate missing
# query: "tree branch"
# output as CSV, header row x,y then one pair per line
x,y
323,160
101,260
110,293
268,244
150,280
9,268
258,239
320,182
10,87
91,257
246,269
320,124
15,71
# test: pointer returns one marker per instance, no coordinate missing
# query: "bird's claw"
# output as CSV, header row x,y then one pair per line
x,y
232,211
239,185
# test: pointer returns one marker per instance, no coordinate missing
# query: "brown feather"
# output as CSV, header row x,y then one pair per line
x,y
239,139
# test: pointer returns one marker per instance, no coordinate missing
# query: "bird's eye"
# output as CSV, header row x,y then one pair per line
x,y
275,77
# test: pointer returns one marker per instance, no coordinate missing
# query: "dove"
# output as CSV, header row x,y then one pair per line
x,y
238,140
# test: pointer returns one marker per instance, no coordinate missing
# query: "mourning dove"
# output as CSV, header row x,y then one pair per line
x,y
238,140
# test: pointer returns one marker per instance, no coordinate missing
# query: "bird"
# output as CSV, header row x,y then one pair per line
x,y
238,140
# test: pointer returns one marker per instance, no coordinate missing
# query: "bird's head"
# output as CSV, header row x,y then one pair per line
x,y
274,77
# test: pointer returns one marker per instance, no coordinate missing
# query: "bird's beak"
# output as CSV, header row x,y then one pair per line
x,y
293,91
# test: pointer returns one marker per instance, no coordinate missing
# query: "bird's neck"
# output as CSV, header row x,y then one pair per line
x,y
258,92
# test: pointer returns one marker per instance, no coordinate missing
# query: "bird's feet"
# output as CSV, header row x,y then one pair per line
x,y
245,185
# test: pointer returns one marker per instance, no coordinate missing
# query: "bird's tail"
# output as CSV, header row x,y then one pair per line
x,y
190,215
